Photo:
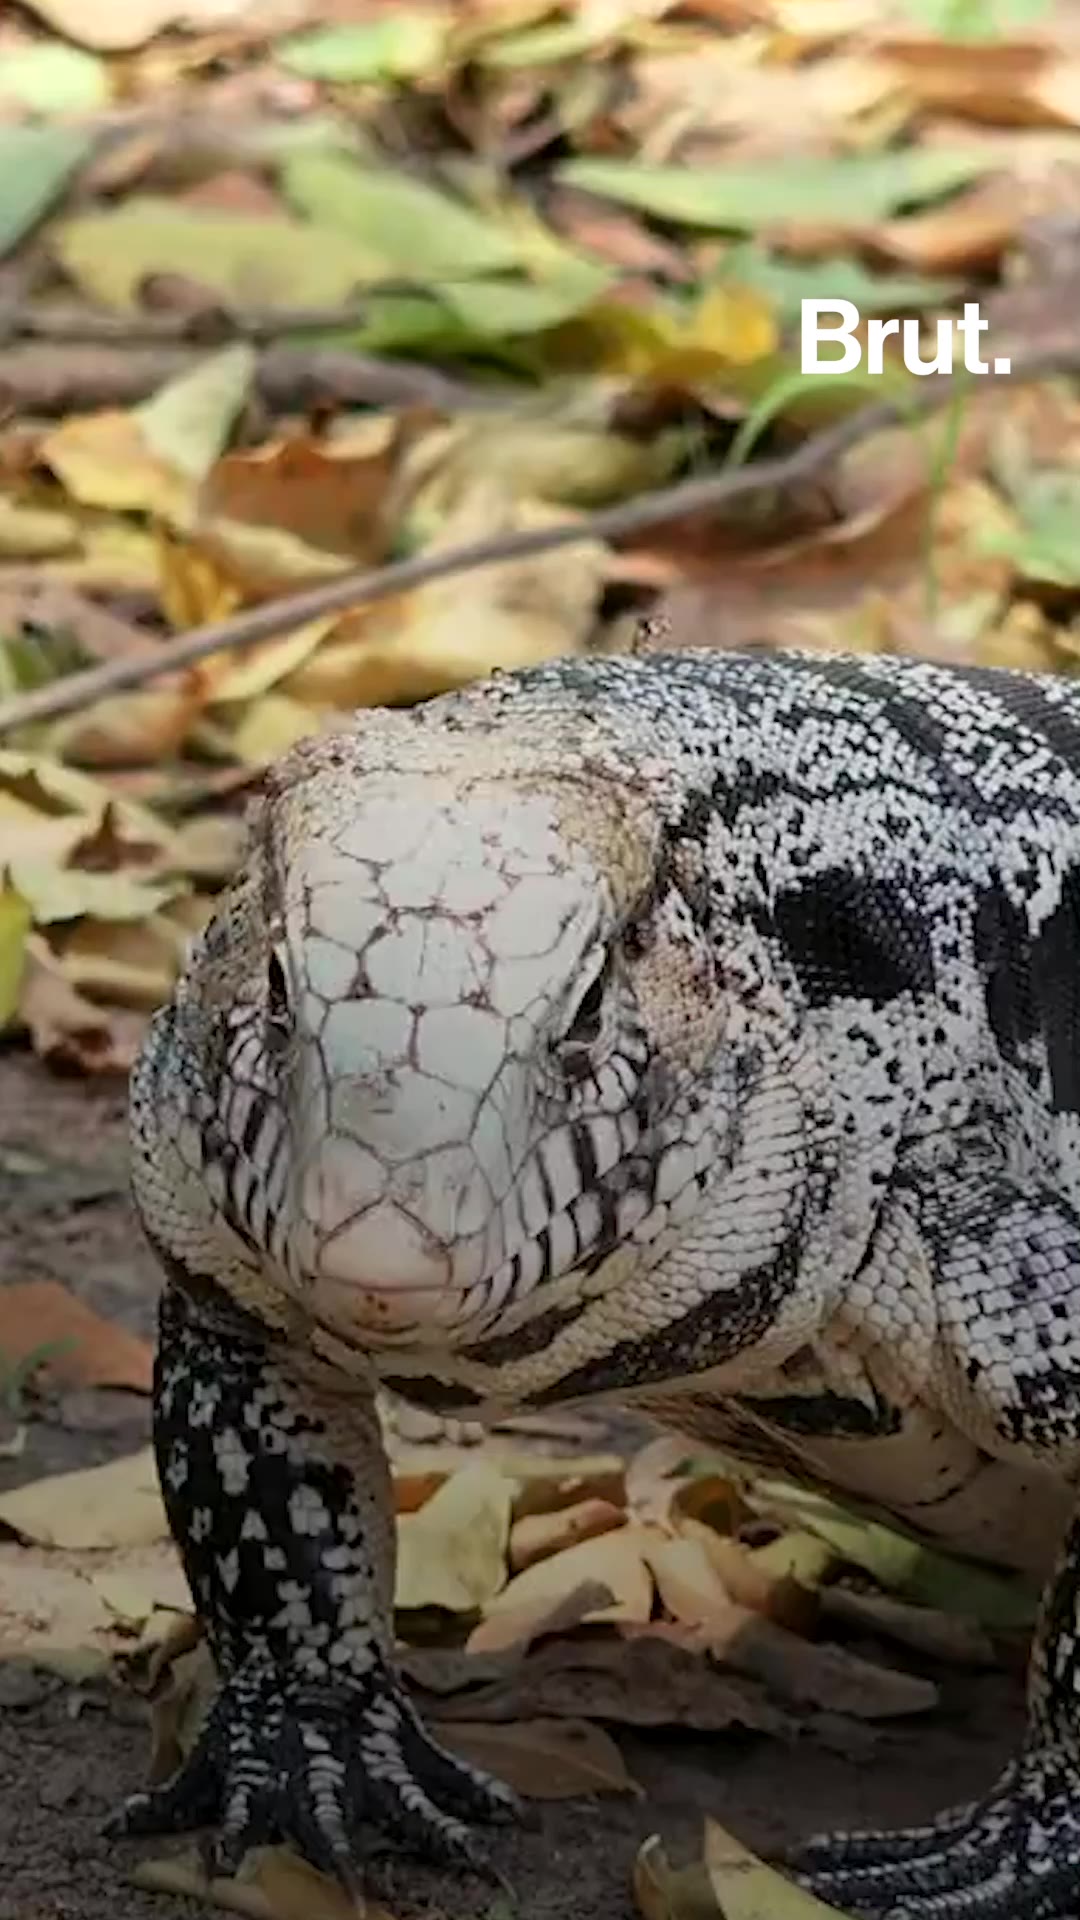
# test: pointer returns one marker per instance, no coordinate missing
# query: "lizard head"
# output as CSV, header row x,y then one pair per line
x,y
466,1018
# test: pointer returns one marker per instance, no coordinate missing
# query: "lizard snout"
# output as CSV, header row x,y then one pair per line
x,y
383,1271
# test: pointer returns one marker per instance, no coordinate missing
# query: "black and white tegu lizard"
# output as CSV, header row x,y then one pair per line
x,y
692,1030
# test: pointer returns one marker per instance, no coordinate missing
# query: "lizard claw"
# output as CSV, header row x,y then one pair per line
x,y
278,1763
1009,1857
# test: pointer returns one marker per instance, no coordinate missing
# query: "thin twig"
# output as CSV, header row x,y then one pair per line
x,y
50,378
648,510
212,324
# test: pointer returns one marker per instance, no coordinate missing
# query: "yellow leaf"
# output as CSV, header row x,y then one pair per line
x,y
553,460
746,1889
452,631
252,259
15,923
452,1552
230,676
192,585
34,533
118,1505
64,893
153,459
734,325
269,727
613,1560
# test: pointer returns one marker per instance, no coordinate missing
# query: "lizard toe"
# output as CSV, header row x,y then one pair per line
x,y
1002,1858
190,1799
417,1790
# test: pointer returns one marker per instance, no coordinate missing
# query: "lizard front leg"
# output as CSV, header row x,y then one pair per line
x,y
1011,1355
277,1493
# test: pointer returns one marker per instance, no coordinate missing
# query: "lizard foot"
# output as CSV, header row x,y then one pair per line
x,y
313,1766
1013,1856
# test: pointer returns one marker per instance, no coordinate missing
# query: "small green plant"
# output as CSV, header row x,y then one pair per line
x,y
16,1374
795,386
976,19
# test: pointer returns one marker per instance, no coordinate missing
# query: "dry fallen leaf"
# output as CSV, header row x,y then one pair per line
x,y
112,1506
647,1680
118,26
153,459
809,1675
273,1884
540,1535
452,1551
614,1560
528,1620
542,1759
66,1028
513,614
746,1889
86,1350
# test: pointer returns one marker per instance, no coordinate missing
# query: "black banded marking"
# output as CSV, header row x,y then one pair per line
x,y
847,936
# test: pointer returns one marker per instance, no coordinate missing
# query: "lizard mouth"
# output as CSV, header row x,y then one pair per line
x,y
384,1272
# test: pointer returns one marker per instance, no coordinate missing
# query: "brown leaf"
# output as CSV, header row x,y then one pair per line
x,y
946,1636
333,498
542,1759
966,235
797,1671
38,1314
128,729
127,964
646,1680
65,1028
1005,83
413,1490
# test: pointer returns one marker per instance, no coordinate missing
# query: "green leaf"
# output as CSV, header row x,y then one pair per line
x,y
1042,546
189,421
400,46
412,229
546,46
503,309
15,922
49,77
976,19
853,189
899,1563
254,261
36,164
786,283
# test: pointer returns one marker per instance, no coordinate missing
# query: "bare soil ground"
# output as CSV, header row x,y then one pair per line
x,y
66,1758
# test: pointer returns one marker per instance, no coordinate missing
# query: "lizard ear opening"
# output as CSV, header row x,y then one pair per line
x,y
577,1047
